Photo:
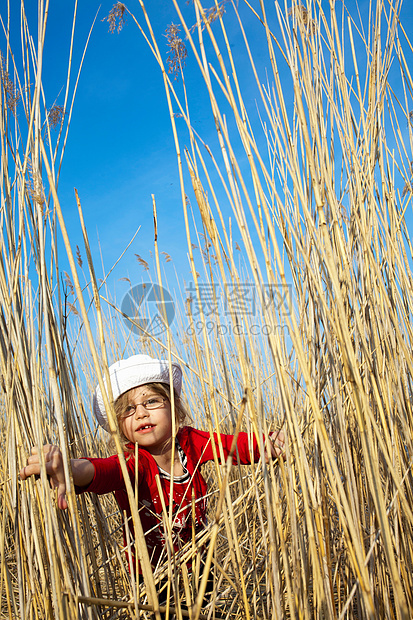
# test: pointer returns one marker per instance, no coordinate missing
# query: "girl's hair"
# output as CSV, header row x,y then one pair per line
x,y
163,389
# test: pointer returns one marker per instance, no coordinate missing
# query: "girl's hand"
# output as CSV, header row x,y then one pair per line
x,y
277,445
54,469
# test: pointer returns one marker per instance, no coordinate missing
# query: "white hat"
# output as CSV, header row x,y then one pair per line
x,y
132,372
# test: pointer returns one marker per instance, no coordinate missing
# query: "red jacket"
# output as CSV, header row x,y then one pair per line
x,y
197,447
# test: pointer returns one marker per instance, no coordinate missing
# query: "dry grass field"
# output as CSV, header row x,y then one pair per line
x,y
314,178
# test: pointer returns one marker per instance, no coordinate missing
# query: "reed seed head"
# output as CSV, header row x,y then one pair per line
x,y
177,50
116,17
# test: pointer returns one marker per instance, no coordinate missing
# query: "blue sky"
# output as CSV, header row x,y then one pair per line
x,y
120,148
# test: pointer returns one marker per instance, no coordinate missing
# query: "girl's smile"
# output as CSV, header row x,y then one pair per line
x,y
145,429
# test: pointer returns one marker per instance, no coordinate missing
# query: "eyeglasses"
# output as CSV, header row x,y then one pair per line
x,y
156,402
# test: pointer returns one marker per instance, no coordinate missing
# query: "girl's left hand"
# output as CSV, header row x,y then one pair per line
x,y
277,445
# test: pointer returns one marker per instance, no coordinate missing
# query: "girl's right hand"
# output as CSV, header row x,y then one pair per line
x,y
54,469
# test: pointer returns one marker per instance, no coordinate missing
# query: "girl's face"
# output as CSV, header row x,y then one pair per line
x,y
149,428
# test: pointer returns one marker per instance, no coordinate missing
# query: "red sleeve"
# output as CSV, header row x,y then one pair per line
x,y
108,475
200,441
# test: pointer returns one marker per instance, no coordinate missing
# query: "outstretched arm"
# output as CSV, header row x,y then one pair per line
x,y
82,471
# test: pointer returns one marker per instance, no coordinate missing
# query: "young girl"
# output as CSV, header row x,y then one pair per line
x,y
141,390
